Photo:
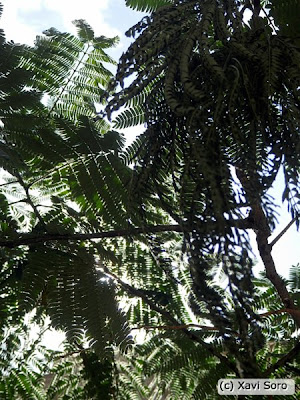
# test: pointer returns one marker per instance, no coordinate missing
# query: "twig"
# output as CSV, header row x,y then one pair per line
x,y
49,173
29,200
280,363
282,310
8,183
18,201
279,236
75,70
176,327
71,353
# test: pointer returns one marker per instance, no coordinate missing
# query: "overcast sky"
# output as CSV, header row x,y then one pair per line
x,y
22,20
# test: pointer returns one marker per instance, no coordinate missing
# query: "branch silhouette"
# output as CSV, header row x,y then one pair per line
x,y
28,238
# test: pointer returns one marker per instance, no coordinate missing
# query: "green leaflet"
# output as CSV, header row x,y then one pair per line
x,y
147,6
73,295
131,117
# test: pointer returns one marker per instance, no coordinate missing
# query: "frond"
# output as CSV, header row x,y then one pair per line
x,y
147,6
130,117
208,381
294,278
70,69
84,30
178,103
74,295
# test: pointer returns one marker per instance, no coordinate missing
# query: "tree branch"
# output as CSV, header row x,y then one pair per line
x,y
281,311
9,183
29,200
265,253
18,201
27,238
176,327
279,236
169,317
282,361
261,227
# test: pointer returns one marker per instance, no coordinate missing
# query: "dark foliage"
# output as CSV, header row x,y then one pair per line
x,y
104,239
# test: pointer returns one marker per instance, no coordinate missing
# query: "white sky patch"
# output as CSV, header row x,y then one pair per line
x,y
14,28
92,12
22,20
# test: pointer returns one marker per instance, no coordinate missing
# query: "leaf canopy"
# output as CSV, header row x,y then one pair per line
x,y
108,240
